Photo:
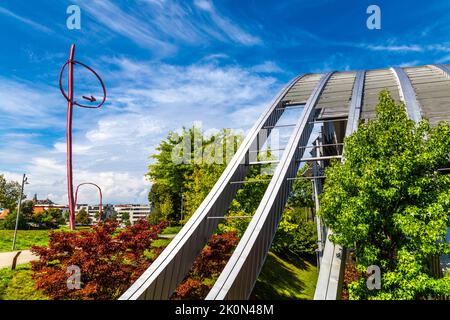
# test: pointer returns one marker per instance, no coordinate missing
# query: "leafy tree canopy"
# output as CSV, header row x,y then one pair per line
x,y
389,202
9,193
82,217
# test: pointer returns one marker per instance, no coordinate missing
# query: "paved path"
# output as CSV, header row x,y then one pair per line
x,y
25,256
166,236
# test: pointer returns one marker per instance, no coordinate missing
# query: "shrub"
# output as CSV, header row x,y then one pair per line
x,y
296,237
109,261
207,267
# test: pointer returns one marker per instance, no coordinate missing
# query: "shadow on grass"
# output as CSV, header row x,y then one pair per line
x,y
285,279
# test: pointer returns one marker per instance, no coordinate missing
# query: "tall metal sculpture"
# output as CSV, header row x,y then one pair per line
x,y
69,96
100,208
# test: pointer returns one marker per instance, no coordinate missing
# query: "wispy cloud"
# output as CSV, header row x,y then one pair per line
x,y
163,25
127,25
29,105
27,21
231,30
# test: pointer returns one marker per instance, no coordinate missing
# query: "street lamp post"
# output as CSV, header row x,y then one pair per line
x,y
24,181
182,202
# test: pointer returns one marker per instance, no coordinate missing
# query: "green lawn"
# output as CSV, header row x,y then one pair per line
x,y
25,239
286,278
172,230
18,284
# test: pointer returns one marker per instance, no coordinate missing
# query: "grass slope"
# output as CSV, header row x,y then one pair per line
x,y
18,284
285,278
25,239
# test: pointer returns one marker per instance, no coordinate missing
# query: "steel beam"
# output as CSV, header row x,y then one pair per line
x,y
407,94
332,264
161,279
239,275
354,112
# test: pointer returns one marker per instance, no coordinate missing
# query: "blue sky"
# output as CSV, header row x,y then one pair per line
x,y
171,63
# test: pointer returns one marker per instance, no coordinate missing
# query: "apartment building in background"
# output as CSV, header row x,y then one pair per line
x,y
93,211
135,211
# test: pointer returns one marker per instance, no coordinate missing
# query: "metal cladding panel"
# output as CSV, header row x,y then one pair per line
x,y
375,81
161,279
239,276
432,87
301,91
336,96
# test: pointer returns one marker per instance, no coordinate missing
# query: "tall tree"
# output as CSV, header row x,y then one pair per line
x,y
9,193
389,202
82,217
189,163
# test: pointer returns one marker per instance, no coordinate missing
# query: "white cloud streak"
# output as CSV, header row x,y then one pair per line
x,y
34,25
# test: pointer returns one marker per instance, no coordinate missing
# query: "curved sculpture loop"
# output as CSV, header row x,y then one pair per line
x,y
100,208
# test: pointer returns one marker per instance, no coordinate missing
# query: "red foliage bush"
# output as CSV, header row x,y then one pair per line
x,y
191,289
208,265
351,274
110,261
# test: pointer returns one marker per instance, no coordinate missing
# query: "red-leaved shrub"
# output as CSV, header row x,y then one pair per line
x,y
351,274
110,260
207,267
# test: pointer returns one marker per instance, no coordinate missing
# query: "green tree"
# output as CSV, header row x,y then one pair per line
x,y
9,222
9,193
126,218
389,202
82,217
188,163
27,210
168,176
49,219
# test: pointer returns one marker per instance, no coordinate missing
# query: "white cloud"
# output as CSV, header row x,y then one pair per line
x,y
159,25
34,25
226,26
127,25
29,105
267,67
146,100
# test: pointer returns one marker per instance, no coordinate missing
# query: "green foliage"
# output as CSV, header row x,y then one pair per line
x,y
126,218
9,193
197,186
187,164
297,232
18,284
388,201
52,218
25,239
27,210
82,217
294,235
168,176
9,222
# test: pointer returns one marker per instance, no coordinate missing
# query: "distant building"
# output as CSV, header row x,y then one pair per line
x,y
93,211
42,205
135,211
